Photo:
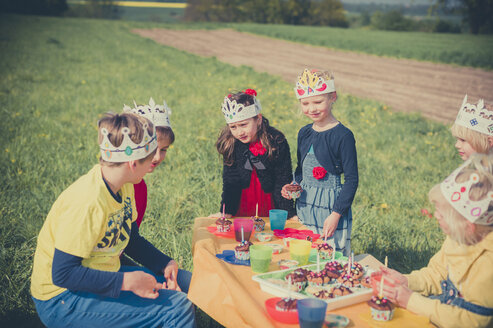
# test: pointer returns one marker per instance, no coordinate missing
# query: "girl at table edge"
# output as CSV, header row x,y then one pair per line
x,y
176,279
456,288
326,149
256,160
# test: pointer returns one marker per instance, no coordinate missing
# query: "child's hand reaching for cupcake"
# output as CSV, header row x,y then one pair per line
x,y
397,294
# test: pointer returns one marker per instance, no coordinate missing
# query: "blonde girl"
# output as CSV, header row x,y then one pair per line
x,y
473,128
326,150
456,288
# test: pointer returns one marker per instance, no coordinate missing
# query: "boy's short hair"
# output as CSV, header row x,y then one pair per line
x,y
114,123
165,132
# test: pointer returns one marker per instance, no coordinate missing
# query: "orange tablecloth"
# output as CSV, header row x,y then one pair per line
x,y
228,294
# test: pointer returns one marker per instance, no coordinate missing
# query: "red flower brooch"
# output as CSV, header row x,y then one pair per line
x,y
256,148
319,172
251,92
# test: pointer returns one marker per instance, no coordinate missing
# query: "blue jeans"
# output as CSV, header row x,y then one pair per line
x,y
84,309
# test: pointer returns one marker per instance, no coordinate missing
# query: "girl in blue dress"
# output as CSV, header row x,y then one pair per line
x,y
326,150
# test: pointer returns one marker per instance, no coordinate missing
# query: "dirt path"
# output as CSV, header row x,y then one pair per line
x,y
436,90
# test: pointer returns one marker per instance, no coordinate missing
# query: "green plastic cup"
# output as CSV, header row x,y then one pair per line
x,y
300,250
260,257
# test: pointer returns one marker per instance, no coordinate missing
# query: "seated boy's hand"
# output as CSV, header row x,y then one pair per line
x,y
170,274
394,276
399,294
141,284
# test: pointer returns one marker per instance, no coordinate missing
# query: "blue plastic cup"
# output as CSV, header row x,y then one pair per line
x,y
277,219
311,312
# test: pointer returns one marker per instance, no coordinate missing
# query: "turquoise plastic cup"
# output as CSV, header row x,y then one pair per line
x,y
277,219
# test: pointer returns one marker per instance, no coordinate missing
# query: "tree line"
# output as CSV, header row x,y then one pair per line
x,y
295,12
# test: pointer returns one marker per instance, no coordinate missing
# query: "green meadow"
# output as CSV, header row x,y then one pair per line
x,y
59,75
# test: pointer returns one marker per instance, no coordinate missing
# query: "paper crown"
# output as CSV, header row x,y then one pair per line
x,y
235,112
457,194
310,84
128,150
157,114
475,117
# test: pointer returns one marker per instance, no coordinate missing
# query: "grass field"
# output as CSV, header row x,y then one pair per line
x,y
60,75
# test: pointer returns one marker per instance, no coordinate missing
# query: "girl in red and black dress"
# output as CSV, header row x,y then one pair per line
x,y
256,157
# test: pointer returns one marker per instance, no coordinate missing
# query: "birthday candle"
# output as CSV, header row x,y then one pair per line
x,y
256,211
381,287
386,261
242,237
224,206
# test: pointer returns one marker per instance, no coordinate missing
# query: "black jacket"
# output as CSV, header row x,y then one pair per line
x,y
272,174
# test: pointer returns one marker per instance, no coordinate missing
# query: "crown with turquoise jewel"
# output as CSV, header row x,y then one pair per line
x,y
457,194
475,117
128,150
157,114
235,112
310,83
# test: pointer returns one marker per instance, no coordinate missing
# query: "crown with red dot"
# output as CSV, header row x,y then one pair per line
x,y
310,83
235,112
457,194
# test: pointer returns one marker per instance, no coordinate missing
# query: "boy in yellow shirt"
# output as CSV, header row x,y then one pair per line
x,y
456,288
77,279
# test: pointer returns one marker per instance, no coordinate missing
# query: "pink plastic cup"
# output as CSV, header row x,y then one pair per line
x,y
247,225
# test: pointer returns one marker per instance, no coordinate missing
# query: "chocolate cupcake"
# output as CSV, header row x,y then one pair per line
x,y
286,305
242,251
325,251
348,281
333,266
223,225
365,282
294,190
323,294
298,279
258,223
356,270
341,291
381,308
315,278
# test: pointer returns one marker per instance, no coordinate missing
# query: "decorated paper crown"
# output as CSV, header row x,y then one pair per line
x,y
475,117
128,150
157,114
234,112
310,84
457,194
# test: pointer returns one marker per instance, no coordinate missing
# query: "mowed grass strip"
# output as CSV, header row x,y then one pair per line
x,y
60,75
459,49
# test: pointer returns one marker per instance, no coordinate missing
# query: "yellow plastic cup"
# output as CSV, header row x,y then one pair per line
x,y
260,257
300,250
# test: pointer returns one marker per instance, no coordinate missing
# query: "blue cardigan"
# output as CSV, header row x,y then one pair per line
x,y
335,149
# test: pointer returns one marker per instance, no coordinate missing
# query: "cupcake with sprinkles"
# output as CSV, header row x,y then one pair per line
x,y
333,266
286,305
381,308
325,251
349,281
341,291
318,278
356,270
323,294
258,223
297,279
242,251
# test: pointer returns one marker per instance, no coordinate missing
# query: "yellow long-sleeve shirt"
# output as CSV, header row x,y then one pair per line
x,y
470,268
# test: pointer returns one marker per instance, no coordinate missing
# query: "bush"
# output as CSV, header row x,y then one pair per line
x,y
443,26
34,7
392,21
95,9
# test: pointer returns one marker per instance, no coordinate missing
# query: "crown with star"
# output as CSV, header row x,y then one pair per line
x,y
475,117
310,83
128,150
235,112
157,114
457,193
